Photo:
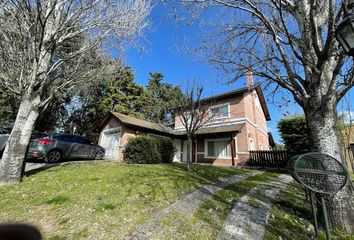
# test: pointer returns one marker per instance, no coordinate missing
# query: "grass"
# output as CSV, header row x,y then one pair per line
x,y
207,221
99,200
292,217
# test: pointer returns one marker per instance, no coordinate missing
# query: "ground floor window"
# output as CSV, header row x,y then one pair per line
x,y
218,148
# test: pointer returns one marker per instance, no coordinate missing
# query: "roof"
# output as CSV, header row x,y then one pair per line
x,y
220,129
156,127
132,121
230,93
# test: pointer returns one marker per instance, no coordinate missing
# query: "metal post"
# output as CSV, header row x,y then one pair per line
x,y
325,217
313,207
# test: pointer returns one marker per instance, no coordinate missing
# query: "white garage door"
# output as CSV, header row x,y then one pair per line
x,y
110,141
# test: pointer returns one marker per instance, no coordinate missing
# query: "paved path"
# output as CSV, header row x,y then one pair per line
x,y
249,216
186,205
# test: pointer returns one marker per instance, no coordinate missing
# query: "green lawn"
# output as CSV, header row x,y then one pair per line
x,y
292,217
99,200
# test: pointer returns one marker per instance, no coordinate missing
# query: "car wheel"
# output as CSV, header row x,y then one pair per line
x,y
53,156
99,155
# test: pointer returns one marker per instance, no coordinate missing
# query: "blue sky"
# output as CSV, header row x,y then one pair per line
x,y
161,55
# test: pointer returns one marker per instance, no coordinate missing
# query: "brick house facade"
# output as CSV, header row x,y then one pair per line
x,y
246,121
227,139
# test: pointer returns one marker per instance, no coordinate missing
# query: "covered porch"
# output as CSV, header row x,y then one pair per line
x,y
213,145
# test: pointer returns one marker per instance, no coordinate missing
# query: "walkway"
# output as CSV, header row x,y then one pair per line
x,y
248,218
186,205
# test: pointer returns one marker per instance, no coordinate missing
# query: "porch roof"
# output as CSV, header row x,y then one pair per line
x,y
220,129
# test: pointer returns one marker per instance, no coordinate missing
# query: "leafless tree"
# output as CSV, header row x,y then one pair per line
x,y
347,131
194,113
292,44
36,48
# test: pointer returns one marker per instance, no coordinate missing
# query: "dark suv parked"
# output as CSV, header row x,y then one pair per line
x,y
56,146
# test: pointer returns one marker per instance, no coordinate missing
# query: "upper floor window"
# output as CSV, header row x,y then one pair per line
x,y
220,111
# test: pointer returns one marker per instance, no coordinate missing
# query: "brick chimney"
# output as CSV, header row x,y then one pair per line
x,y
249,77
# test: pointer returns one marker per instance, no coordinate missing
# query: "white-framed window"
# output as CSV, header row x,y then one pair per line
x,y
220,111
261,146
219,148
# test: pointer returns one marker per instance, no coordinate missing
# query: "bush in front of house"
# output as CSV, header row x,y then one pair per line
x,y
167,150
142,149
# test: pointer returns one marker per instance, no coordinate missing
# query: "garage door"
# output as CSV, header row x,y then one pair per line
x,y
110,141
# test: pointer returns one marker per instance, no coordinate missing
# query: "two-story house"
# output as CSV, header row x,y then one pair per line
x,y
239,126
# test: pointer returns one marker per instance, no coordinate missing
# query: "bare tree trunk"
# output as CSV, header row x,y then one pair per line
x,y
324,135
189,161
13,159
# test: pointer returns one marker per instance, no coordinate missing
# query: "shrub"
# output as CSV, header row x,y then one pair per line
x,y
142,149
167,150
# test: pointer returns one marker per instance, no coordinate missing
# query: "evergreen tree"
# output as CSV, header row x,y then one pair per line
x,y
160,99
123,95
114,91
295,134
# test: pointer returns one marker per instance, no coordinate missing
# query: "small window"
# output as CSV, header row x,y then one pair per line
x,y
221,111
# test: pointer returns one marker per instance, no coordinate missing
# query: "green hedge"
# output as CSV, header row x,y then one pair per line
x,y
167,150
144,149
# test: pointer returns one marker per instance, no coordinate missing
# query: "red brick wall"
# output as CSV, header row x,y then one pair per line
x,y
258,130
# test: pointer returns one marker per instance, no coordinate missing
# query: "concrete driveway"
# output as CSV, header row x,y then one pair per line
x,y
32,166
